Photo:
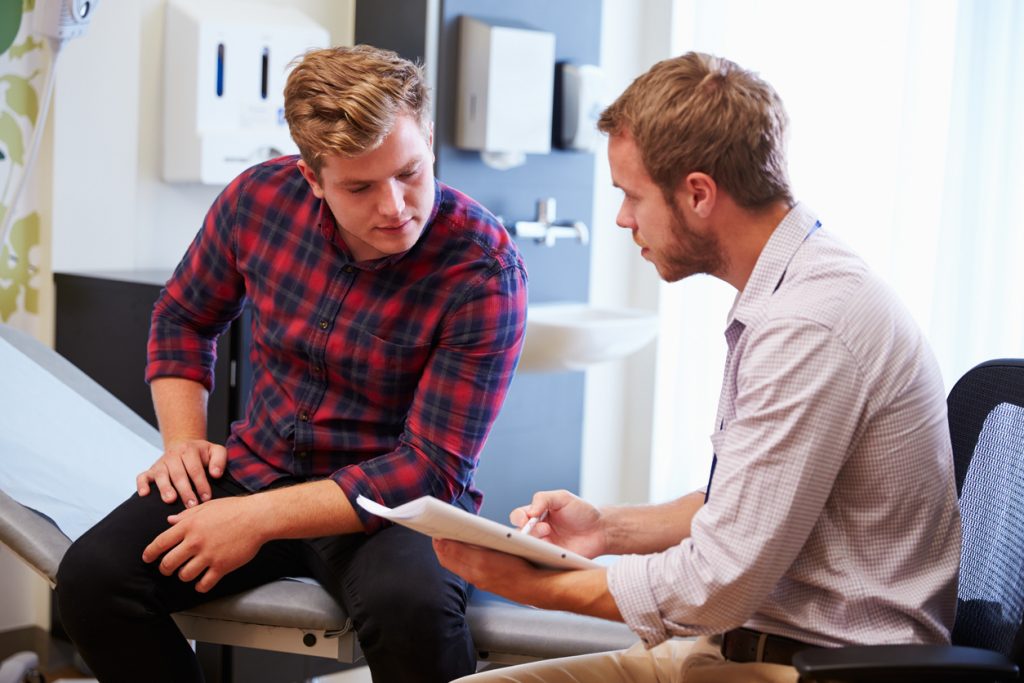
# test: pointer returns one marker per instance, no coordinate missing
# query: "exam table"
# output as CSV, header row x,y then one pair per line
x,y
43,505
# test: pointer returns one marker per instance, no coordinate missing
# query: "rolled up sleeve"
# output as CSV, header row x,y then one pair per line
x,y
456,402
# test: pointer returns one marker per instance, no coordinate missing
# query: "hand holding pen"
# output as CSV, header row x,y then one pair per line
x,y
532,522
563,519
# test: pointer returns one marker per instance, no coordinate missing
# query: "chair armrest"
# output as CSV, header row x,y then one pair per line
x,y
881,663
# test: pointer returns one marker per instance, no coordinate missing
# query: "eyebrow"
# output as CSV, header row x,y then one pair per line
x,y
350,182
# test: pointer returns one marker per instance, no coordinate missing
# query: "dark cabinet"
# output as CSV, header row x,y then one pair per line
x,y
102,323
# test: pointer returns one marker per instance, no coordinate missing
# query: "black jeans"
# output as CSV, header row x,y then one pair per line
x,y
408,611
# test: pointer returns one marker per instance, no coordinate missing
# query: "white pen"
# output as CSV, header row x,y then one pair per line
x,y
532,522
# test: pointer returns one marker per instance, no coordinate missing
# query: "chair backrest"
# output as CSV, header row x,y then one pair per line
x,y
986,424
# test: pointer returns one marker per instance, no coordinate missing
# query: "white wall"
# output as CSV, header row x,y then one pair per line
x,y
619,398
111,209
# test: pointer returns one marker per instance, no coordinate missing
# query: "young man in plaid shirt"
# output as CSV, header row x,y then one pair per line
x,y
388,312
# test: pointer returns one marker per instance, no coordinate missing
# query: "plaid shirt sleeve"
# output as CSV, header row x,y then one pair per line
x,y
203,296
456,402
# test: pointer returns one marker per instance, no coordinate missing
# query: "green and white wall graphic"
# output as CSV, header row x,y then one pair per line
x,y
24,62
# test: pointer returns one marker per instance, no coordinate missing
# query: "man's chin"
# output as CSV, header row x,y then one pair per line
x,y
674,272
398,240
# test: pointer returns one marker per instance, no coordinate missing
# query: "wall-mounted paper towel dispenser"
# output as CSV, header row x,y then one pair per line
x,y
505,88
582,100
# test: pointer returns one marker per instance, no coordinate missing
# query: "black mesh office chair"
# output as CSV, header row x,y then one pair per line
x,y
986,423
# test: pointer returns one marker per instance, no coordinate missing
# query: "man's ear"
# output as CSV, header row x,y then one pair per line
x,y
698,192
430,142
310,176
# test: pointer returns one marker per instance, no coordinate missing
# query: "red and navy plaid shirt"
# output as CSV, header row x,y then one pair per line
x,y
384,375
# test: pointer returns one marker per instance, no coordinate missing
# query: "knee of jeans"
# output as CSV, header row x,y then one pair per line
x,y
406,603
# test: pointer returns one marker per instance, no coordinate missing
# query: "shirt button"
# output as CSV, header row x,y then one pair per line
x,y
349,269
301,455
324,324
304,416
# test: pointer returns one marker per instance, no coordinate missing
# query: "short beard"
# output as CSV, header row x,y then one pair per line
x,y
691,253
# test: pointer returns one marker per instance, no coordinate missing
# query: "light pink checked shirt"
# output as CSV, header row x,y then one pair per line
x,y
832,515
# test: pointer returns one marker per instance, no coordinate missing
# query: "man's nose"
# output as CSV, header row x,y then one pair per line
x,y
392,202
624,219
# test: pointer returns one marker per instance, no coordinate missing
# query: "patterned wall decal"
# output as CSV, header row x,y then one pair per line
x,y
23,68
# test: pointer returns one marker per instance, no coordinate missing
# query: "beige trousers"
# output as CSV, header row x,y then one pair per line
x,y
674,661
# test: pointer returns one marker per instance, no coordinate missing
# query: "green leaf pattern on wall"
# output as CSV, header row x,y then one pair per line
x,y
19,50
11,141
15,273
21,96
19,110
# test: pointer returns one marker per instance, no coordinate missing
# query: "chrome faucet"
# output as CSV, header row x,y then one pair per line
x,y
545,230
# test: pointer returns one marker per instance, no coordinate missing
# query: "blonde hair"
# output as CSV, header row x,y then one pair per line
x,y
344,100
700,113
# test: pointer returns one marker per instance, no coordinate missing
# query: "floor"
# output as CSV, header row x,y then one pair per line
x,y
360,675
57,658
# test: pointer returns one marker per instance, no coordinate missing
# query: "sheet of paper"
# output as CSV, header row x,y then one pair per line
x,y
441,520
59,454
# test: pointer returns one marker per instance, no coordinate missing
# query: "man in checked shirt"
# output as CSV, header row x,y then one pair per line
x,y
388,314
831,515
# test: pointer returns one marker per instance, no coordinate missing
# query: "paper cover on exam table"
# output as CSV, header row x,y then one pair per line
x,y
59,454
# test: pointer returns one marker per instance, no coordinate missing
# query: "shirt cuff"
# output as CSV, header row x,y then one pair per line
x,y
183,370
629,586
355,483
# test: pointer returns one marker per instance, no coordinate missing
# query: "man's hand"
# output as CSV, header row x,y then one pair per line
x,y
211,540
584,591
183,465
489,570
571,522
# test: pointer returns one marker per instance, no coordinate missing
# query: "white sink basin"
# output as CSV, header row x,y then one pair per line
x,y
573,336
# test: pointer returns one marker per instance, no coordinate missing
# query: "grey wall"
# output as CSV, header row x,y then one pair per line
x,y
536,442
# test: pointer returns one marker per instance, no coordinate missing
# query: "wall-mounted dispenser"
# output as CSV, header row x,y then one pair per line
x,y
581,100
506,90
225,65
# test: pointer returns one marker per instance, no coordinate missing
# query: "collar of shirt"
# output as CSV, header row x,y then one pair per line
x,y
771,265
328,226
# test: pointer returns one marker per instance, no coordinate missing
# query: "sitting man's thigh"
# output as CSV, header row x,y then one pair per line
x,y
408,611
394,571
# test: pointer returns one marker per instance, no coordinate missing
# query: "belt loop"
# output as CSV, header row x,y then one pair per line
x,y
762,639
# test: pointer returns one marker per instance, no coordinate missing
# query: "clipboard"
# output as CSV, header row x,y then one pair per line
x,y
438,519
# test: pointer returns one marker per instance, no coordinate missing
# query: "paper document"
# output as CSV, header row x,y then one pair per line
x,y
437,519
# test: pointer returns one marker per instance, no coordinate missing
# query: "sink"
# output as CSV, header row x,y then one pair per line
x,y
573,336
